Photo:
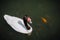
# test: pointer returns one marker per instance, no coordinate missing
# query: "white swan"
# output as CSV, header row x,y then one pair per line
x,y
18,24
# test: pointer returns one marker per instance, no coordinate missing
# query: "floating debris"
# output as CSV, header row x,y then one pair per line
x,y
44,20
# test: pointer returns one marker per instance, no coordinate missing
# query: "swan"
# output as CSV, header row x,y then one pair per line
x,y
18,24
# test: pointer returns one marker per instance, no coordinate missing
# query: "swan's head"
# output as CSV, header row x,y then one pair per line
x,y
29,20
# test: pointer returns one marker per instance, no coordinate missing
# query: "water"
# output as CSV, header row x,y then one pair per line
x,y
35,9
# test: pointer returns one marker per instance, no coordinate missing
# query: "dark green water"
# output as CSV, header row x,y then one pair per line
x,y
35,9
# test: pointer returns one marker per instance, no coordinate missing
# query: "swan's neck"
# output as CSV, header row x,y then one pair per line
x,y
27,26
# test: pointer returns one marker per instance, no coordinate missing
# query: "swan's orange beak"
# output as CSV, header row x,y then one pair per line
x,y
29,20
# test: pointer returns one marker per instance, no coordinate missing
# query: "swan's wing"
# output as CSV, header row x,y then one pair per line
x,y
20,23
